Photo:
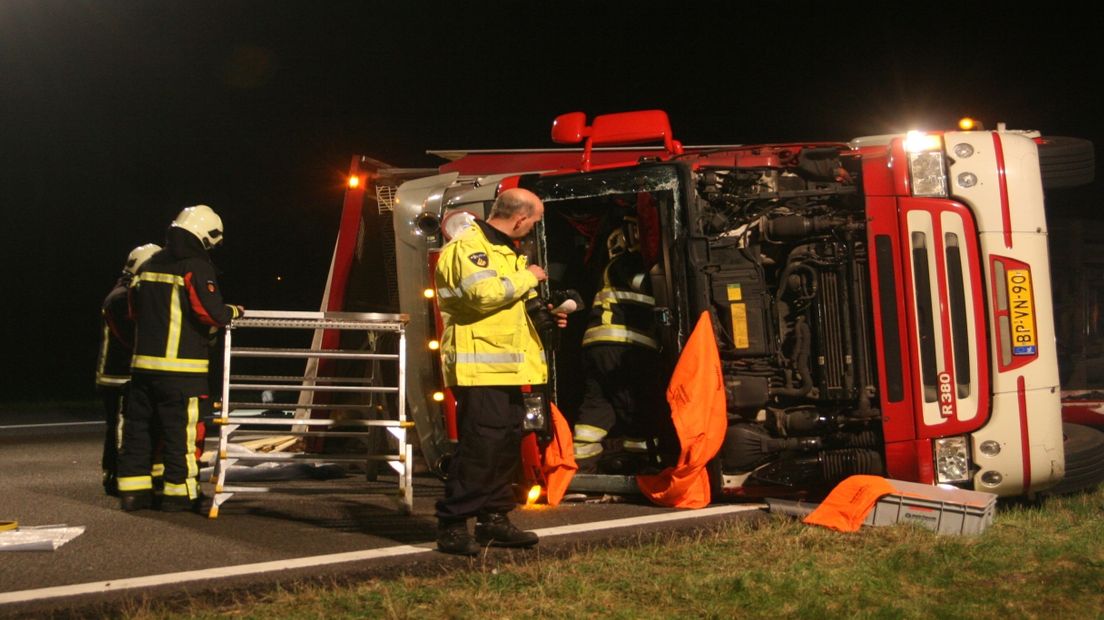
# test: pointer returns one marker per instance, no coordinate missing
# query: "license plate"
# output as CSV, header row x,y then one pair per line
x,y
1021,312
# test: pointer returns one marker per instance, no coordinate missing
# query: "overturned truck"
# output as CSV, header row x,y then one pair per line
x,y
881,306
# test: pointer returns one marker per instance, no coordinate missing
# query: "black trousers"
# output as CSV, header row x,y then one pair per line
x,y
622,393
165,409
485,466
113,403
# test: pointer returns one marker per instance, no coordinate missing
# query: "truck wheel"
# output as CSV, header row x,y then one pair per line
x,y
1066,162
1084,448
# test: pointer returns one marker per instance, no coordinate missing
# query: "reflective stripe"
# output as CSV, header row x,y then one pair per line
x,y
490,358
135,483
149,362
112,380
608,333
176,490
478,276
587,450
615,296
163,278
635,445
172,347
190,435
589,434
448,293
158,470
508,286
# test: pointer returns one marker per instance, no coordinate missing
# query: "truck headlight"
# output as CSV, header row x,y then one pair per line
x,y
952,460
927,165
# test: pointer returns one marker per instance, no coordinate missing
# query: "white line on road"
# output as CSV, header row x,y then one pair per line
x,y
117,585
51,424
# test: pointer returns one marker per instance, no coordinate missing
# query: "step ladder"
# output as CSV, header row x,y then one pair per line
x,y
365,374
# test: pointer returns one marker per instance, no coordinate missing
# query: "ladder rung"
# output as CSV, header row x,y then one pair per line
x,y
293,406
313,388
310,422
318,353
300,379
317,458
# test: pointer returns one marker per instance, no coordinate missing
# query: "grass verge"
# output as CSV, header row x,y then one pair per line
x,y
1034,561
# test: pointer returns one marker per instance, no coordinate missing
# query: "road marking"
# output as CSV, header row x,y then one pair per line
x,y
118,585
50,424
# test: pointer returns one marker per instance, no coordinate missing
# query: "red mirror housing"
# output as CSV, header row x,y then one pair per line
x,y
570,128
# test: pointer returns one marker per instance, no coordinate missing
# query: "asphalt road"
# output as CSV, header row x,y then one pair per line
x,y
49,474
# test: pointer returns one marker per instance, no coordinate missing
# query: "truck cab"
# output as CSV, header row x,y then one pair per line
x,y
881,306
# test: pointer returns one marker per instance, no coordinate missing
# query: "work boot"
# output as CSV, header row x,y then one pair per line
x,y
495,530
453,537
110,484
131,501
172,503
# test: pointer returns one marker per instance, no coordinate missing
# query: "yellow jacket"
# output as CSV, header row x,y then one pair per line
x,y
488,337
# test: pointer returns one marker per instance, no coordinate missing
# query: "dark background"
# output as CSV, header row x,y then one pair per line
x,y
115,115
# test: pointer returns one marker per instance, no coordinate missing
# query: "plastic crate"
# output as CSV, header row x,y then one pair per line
x,y
945,511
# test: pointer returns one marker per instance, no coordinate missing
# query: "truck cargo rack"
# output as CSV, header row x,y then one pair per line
x,y
380,389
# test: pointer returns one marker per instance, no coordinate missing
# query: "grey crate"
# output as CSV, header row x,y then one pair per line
x,y
945,511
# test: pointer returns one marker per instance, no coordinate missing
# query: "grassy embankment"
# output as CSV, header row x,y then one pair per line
x,y
1033,561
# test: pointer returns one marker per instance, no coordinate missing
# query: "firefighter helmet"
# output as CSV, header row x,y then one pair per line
x,y
624,239
203,222
138,256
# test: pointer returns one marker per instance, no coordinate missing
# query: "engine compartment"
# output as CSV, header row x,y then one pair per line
x,y
784,262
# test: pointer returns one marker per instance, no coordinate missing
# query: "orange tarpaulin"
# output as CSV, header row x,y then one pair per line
x,y
559,459
847,505
697,398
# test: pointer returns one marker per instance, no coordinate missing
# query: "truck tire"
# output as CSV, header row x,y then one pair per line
x,y
1066,162
1084,448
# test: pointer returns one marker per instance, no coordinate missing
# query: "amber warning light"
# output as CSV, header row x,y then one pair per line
x,y
354,182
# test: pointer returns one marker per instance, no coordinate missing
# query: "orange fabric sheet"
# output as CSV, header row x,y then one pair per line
x,y
559,459
697,398
847,505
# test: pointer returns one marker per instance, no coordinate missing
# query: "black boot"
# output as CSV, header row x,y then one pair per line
x,y
131,500
110,484
495,530
453,537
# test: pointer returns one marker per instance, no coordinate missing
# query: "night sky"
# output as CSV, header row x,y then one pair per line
x,y
116,114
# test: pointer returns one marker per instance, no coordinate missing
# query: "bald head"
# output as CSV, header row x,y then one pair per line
x,y
515,212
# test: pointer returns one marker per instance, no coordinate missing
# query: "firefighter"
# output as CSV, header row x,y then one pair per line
x,y
621,359
113,363
175,301
489,349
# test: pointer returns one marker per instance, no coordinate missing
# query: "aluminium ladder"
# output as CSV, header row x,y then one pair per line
x,y
380,388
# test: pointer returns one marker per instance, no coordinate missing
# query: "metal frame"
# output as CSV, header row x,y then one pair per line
x,y
308,385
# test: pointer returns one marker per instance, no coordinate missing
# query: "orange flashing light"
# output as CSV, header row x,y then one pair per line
x,y
534,495
354,181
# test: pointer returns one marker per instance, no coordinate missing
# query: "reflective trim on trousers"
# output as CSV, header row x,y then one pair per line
x,y
608,333
135,483
585,450
589,434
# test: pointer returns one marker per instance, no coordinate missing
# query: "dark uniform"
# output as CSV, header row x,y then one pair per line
x,y
620,351
113,373
175,301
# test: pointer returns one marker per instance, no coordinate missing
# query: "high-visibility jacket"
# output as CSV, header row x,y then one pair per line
x,y
116,338
481,288
175,301
623,312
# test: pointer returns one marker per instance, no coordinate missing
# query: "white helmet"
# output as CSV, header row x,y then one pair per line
x,y
624,239
203,222
138,256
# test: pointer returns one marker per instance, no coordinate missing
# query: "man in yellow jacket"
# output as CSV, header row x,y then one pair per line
x,y
490,348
